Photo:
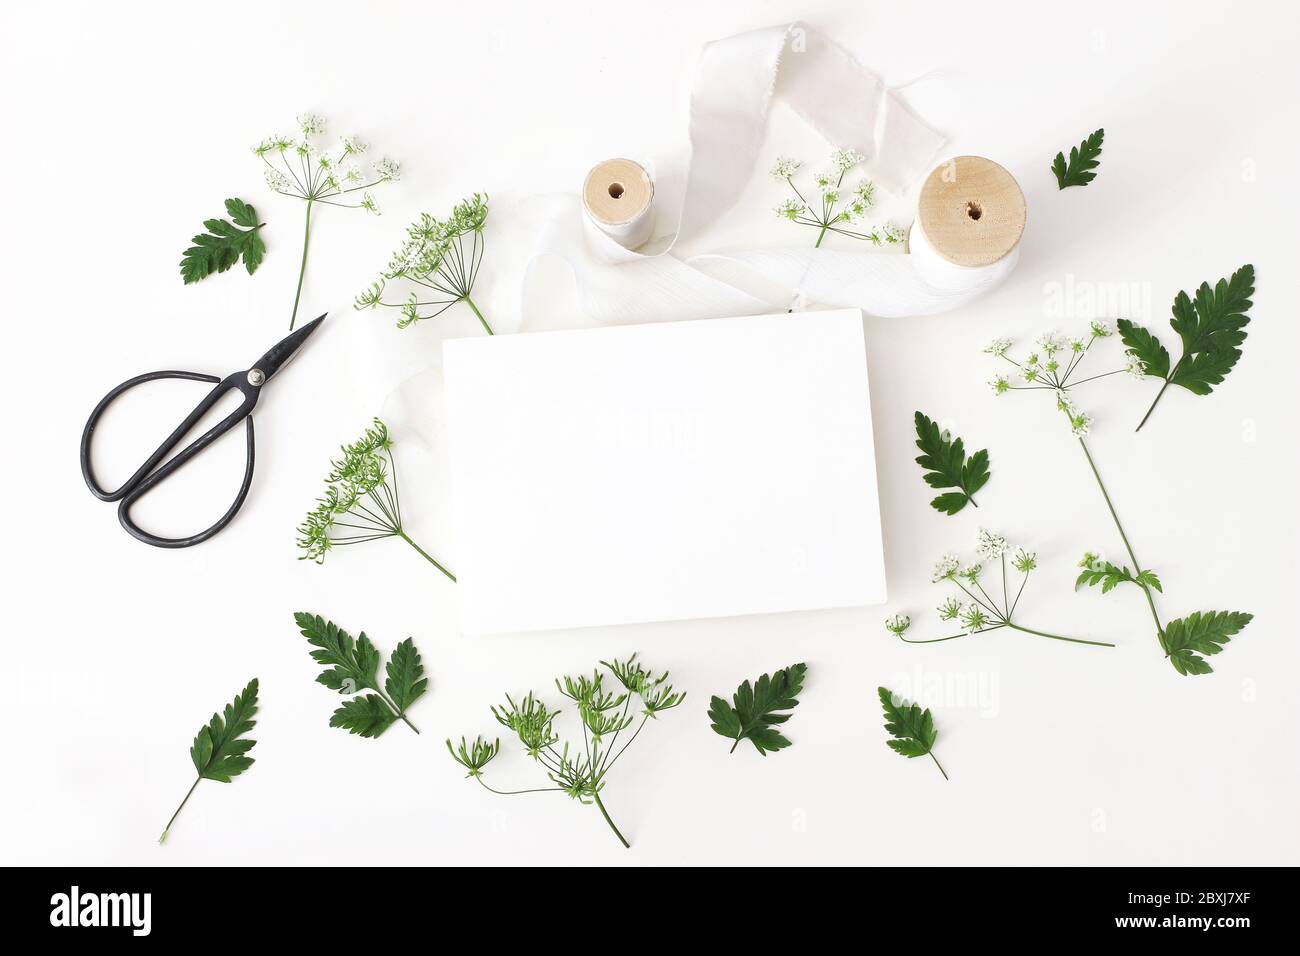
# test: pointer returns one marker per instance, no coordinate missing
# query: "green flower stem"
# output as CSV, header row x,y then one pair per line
x,y
1137,568
937,764
1158,394
405,537
470,303
302,270
509,793
820,236
940,640
605,814
163,839
1058,637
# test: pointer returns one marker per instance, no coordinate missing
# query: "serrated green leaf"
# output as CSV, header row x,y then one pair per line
x,y
1150,580
355,663
911,728
1138,340
1110,575
1201,632
948,467
222,245
1203,371
1212,327
949,502
725,719
218,751
1216,320
405,683
367,716
242,213
1083,159
254,251
352,666
755,709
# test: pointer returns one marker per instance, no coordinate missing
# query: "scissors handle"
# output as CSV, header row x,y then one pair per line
x,y
146,479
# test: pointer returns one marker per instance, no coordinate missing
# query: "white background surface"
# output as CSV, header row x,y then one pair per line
x,y
123,130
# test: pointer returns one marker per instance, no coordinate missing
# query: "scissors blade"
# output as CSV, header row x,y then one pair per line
x,y
286,349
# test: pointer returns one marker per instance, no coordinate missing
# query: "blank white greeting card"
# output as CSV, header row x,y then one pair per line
x,y
660,472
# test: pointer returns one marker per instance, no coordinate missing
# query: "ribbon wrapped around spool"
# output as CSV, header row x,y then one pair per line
x,y
970,213
618,199
964,241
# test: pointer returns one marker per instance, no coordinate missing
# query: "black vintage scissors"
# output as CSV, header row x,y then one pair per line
x,y
249,382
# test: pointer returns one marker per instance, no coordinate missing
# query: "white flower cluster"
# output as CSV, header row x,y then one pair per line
x,y
316,173
845,159
991,546
784,168
857,201
944,568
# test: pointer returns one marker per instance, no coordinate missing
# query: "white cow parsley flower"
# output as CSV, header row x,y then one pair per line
x,y
944,568
311,124
845,159
784,168
991,546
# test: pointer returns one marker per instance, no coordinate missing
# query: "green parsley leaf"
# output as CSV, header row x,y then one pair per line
x,y
948,467
1153,356
1202,632
224,243
405,683
220,749
755,709
1211,327
1109,575
911,728
1083,159
353,667
368,716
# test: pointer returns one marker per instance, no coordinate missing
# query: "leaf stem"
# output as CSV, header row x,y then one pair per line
x,y
470,303
937,764
1158,394
1137,568
605,814
397,710
302,270
163,839
405,537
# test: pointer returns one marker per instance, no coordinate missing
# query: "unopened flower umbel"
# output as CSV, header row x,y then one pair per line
x,y
441,257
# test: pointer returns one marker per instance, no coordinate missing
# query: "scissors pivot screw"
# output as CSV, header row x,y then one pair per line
x,y
256,376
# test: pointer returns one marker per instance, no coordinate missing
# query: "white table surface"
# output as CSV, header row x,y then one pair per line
x,y
121,132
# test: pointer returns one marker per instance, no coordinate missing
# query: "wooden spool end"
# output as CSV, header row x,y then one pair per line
x,y
617,191
971,210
